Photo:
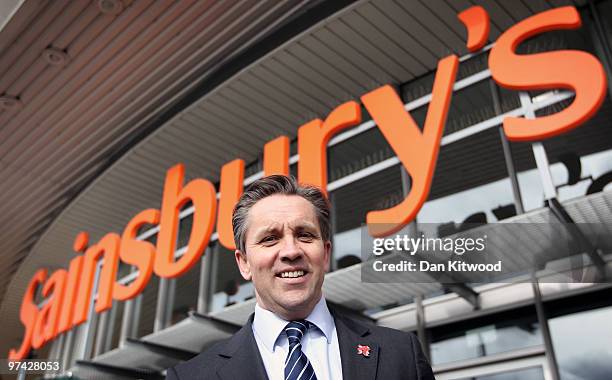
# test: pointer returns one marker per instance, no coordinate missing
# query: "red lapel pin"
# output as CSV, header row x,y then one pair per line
x,y
363,350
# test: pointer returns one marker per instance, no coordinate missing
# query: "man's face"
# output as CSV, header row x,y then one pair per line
x,y
286,257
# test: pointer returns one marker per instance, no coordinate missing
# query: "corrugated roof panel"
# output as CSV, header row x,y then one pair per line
x,y
199,131
369,70
373,56
32,63
330,56
18,56
404,47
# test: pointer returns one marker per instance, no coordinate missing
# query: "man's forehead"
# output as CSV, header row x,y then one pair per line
x,y
282,210
280,204
271,224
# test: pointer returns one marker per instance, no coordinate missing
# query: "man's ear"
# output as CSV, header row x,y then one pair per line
x,y
243,265
327,246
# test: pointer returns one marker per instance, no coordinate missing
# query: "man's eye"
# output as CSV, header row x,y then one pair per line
x,y
268,239
306,236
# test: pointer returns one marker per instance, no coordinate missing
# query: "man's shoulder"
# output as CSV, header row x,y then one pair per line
x,y
402,350
405,340
401,340
204,363
374,329
393,334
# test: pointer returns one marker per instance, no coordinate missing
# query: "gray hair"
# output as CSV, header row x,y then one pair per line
x,y
283,185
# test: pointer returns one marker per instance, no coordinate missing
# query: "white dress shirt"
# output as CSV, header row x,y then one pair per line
x,y
320,343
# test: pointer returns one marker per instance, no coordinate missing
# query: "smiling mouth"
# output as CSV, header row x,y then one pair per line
x,y
292,274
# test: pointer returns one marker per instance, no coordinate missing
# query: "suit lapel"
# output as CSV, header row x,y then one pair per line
x,y
350,336
243,360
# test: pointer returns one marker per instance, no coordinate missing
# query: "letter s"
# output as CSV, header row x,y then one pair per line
x,y
28,315
571,69
136,252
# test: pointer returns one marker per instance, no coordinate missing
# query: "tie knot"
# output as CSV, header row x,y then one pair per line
x,y
295,330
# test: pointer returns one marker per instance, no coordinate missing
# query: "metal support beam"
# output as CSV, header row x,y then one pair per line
x,y
452,283
214,272
126,330
421,325
60,347
541,159
79,338
130,320
412,228
21,375
465,292
204,287
593,252
162,350
88,332
111,327
56,348
170,305
543,322
539,153
164,302
68,349
516,192
102,333
219,324
137,309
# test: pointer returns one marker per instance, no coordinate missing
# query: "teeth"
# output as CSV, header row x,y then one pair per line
x,y
297,273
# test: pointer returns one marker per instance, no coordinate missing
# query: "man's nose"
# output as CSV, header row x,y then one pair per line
x,y
291,249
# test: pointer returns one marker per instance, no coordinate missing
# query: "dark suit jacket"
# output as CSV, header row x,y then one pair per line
x,y
393,355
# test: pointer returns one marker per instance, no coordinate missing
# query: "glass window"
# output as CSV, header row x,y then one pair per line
x,y
605,15
351,203
417,88
252,168
357,153
581,160
473,65
469,106
148,305
470,184
184,228
227,283
528,176
186,289
582,344
114,323
490,335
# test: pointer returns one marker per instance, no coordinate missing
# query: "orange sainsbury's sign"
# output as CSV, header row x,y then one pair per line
x,y
68,292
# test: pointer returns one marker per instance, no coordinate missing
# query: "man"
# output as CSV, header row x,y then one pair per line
x,y
282,234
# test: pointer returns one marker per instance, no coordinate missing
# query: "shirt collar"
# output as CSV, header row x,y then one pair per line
x,y
322,318
268,326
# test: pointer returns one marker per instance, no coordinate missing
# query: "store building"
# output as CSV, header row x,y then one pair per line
x,y
101,99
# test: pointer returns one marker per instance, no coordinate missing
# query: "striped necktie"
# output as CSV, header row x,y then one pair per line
x,y
297,365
